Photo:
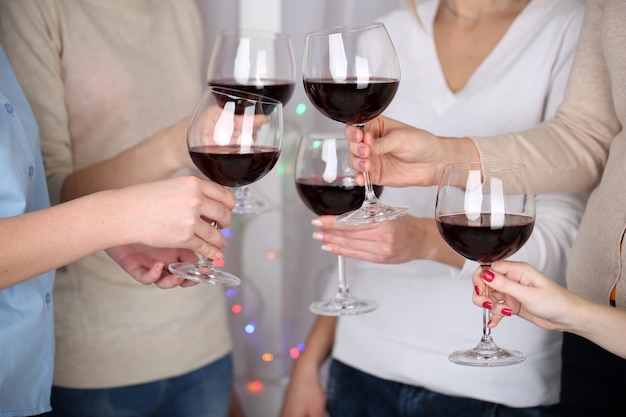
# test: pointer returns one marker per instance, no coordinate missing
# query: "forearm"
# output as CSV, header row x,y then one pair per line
x,y
155,158
43,240
601,324
438,249
319,342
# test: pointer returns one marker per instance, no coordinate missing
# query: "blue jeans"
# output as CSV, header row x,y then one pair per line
x,y
352,393
205,392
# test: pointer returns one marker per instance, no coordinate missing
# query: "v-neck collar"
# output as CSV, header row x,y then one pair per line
x,y
514,35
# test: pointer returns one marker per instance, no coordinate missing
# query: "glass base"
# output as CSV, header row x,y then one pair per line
x,y
487,353
247,202
372,213
253,206
206,274
343,306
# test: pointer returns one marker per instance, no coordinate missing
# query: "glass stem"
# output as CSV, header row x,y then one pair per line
x,y
486,311
204,261
343,289
370,195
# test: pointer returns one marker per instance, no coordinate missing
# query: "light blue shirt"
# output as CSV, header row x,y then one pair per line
x,y
26,316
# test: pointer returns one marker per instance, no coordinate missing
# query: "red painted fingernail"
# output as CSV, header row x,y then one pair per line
x,y
489,323
477,289
507,311
487,276
487,304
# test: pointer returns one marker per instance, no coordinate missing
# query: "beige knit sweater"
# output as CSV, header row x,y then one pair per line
x,y
100,76
583,149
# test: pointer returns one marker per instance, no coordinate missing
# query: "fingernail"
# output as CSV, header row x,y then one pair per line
x,y
477,289
487,276
361,150
489,323
317,222
318,235
326,248
362,166
507,311
487,304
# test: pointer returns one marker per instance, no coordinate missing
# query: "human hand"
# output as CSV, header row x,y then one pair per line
x,y
304,396
401,240
148,265
175,213
400,155
525,292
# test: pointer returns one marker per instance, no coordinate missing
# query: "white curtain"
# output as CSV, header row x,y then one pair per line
x,y
282,267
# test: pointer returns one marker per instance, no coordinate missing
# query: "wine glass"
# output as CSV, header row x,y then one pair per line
x,y
351,74
485,214
259,62
235,139
325,183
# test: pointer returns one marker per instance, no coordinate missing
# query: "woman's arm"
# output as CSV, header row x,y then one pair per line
x,y
305,395
535,297
170,213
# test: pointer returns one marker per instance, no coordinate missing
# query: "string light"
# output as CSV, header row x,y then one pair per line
x,y
236,309
255,386
300,109
294,352
249,328
267,357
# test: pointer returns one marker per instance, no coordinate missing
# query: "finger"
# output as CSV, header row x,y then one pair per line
x,y
206,249
188,283
494,320
216,215
147,276
330,224
352,253
497,310
170,281
218,193
479,283
502,284
210,233
353,133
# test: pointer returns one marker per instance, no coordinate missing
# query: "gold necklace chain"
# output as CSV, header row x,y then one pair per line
x,y
455,13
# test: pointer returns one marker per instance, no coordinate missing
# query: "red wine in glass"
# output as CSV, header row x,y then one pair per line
x,y
326,185
234,141
335,198
485,214
351,74
257,62
234,166
482,242
349,101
